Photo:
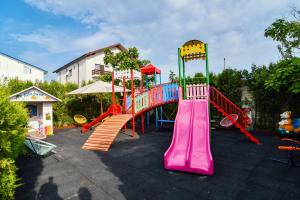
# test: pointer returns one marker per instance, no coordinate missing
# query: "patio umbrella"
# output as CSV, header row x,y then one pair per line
x,y
97,87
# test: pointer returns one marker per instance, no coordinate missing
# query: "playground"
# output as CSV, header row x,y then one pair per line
x,y
120,155
133,169
150,100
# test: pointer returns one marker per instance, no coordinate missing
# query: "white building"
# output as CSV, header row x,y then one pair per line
x,y
86,67
11,67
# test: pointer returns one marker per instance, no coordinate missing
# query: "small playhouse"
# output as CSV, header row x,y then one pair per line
x,y
39,104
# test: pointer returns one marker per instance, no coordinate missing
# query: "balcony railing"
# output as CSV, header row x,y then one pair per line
x,y
98,72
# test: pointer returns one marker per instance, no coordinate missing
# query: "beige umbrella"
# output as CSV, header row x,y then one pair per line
x,y
97,87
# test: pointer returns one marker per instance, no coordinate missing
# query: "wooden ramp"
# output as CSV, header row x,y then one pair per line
x,y
105,134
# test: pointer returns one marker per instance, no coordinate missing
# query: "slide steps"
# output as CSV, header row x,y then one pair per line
x,y
242,129
104,135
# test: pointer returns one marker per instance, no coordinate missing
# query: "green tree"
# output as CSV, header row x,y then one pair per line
x,y
287,32
13,121
128,59
172,76
230,82
285,76
266,103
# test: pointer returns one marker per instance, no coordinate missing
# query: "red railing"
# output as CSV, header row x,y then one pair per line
x,y
227,107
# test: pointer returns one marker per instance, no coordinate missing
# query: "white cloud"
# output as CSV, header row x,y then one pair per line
x,y
233,29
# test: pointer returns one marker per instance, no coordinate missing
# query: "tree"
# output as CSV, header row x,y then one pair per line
x,y
285,76
172,76
128,59
13,121
287,33
230,82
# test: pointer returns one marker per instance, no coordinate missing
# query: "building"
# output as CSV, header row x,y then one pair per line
x,y
11,67
86,67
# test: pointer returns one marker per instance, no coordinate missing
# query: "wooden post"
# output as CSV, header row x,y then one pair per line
x,y
132,103
101,105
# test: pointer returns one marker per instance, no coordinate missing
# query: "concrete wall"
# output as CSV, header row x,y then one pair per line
x,y
11,68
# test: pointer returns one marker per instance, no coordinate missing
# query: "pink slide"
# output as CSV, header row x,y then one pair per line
x,y
190,147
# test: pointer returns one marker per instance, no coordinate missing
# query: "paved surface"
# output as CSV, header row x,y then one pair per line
x,y
133,169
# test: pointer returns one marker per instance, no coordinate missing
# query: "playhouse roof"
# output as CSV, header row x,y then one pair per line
x,y
33,94
150,69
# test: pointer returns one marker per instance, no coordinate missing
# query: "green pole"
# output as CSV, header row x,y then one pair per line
x,y
184,83
206,64
179,66
207,82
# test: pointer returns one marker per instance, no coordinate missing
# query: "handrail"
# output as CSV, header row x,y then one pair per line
x,y
156,95
228,106
213,89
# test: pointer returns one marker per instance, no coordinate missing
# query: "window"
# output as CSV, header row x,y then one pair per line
x,y
97,66
27,70
70,72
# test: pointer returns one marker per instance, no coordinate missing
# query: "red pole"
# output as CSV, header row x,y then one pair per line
x,y
124,94
124,100
113,87
143,123
132,103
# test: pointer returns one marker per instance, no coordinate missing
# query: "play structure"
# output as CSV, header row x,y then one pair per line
x,y
190,146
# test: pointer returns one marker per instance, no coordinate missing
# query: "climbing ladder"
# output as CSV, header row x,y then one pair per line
x,y
227,107
104,135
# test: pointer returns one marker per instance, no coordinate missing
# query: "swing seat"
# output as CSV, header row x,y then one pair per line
x,y
226,122
80,119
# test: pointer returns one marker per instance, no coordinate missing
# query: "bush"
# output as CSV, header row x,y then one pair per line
x,y
13,121
8,179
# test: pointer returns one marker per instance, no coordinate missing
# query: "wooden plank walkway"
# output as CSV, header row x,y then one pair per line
x,y
104,134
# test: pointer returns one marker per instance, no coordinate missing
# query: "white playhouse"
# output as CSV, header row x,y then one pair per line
x,y
39,103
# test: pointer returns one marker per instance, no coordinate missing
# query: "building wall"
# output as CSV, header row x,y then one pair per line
x,y
74,73
10,68
86,66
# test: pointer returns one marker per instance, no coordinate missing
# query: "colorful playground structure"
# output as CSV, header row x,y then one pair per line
x,y
190,147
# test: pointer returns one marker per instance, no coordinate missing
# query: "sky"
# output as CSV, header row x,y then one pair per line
x,y
50,33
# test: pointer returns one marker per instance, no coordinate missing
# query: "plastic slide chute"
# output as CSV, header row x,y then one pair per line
x,y
113,109
190,147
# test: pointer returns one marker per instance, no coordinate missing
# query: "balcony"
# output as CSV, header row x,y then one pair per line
x,y
98,72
